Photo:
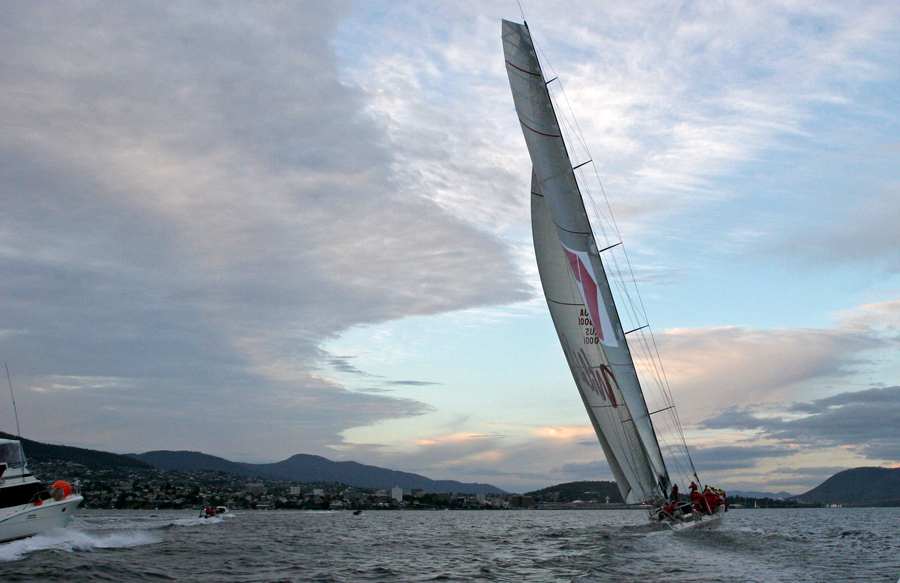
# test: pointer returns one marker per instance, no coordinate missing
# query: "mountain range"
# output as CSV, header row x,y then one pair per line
x,y
90,458
299,468
869,486
312,468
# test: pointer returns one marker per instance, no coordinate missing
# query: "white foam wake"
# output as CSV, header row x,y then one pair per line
x,y
71,540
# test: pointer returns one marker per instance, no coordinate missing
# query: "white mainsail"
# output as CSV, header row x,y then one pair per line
x,y
577,291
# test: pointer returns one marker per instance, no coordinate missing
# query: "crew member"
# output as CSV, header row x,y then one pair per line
x,y
697,499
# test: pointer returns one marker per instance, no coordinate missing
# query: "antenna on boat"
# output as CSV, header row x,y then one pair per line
x,y
13,395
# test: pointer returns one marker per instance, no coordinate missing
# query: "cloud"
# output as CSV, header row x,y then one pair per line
x,y
731,378
193,202
867,422
412,383
795,479
863,234
739,382
589,471
730,457
513,457
876,316
342,364
821,472
712,84
709,368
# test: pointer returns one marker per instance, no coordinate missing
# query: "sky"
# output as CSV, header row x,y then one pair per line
x,y
262,229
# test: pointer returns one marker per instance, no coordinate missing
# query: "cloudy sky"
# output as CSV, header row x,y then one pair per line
x,y
261,229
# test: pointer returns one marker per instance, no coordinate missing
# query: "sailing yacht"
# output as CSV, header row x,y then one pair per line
x,y
584,310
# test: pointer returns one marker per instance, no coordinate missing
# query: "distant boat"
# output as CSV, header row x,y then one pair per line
x,y
584,311
26,508
213,512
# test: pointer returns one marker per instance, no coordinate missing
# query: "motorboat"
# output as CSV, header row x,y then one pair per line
x,y
212,512
28,508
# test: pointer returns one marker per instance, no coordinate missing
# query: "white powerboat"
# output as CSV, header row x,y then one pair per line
x,y
26,507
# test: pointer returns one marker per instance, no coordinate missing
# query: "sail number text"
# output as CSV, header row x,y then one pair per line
x,y
590,333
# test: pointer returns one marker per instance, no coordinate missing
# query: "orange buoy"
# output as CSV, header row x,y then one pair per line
x,y
64,486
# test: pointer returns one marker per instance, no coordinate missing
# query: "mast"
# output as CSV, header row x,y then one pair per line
x,y
13,395
576,287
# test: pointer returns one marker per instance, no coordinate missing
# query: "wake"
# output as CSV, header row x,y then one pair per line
x,y
73,540
86,533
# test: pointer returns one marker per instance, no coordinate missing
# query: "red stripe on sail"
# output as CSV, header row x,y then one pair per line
x,y
573,264
589,290
591,295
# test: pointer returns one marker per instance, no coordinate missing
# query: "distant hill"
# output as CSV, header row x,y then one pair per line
x,y
300,468
312,468
185,461
95,460
751,494
589,490
858,485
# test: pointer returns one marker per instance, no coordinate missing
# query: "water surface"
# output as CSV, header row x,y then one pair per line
x,y
582,546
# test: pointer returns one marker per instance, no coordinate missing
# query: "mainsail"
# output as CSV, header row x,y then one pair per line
x,y
577,290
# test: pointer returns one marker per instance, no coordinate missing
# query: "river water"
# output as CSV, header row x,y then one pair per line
x,y
583,546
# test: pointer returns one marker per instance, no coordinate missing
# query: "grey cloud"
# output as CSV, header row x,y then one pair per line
x,y
799,479
451,455
734,418
489,457
726,363
867,421
816,472
342,364
881,449
193,202
872,397
866,234
718,458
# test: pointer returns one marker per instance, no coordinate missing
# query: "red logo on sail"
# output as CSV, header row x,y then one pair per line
x,y
590,294
599,379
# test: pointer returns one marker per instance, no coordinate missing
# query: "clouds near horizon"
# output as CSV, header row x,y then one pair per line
x,y
867,422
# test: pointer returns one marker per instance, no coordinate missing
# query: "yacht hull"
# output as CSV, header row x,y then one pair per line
x,y
28,520
702,522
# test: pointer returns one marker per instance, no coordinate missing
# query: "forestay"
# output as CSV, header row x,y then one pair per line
x,y
577,291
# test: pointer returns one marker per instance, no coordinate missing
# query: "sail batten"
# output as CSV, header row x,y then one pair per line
x,y
578,294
